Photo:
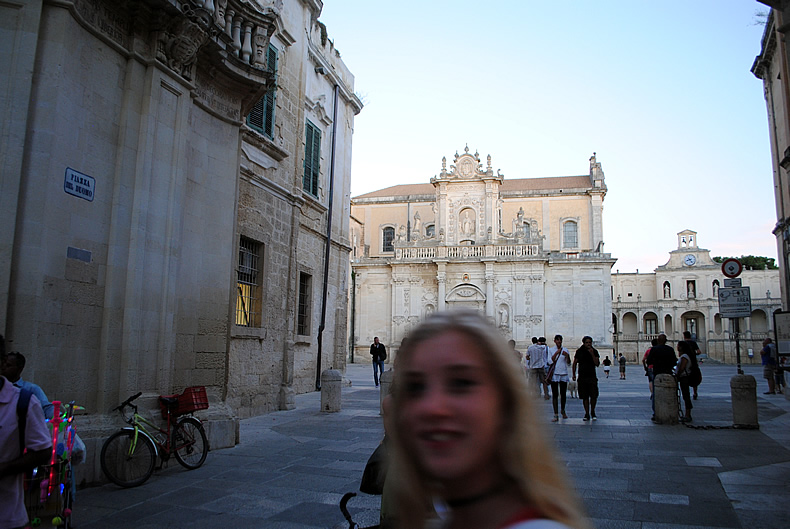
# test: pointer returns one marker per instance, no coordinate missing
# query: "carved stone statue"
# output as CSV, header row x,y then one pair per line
x,y
467,224
417,224
504,317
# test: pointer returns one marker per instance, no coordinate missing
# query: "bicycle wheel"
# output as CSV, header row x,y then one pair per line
x,y
125,463
189,443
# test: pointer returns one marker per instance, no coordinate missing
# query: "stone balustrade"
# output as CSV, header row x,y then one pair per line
x,y
467,252
246,27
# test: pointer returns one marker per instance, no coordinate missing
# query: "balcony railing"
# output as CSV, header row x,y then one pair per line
x,y
505,251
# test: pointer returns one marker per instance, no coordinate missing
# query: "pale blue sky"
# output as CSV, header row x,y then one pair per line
x,y
660,90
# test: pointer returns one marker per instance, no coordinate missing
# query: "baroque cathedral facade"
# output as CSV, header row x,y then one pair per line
x,y
527,253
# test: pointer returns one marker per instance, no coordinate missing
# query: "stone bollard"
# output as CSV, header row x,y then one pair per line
x,y
386,382
665,395
743,389
331,382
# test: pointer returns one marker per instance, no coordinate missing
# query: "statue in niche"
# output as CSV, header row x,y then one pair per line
x,y
467,224
417,225
666,290
504,317
520,217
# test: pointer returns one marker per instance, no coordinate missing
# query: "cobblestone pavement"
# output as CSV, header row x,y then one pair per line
x,y
291,468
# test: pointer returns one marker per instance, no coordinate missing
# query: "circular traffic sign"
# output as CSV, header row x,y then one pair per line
x,y
731,267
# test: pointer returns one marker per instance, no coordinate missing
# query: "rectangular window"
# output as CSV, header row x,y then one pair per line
x,y
261,117
651,326
312,159
303,316
387,236
248,302
570,237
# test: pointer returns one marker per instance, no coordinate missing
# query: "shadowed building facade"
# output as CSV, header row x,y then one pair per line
x,y
166,201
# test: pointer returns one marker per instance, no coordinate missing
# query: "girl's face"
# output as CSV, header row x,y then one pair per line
x,y
451,411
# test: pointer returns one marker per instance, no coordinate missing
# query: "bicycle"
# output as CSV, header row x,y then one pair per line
x,y
129,455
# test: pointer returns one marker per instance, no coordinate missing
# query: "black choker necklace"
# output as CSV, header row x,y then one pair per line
x,y
463,502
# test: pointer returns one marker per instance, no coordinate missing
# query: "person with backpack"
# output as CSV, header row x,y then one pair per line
x,y
12,369
25,443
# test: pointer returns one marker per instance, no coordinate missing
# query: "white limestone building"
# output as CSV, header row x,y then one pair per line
x,y
528,253
682,295
167,198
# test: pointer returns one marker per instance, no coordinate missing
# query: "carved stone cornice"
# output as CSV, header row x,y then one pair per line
x,y
225,39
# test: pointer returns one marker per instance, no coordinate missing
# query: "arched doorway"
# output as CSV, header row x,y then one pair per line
x,y
694,322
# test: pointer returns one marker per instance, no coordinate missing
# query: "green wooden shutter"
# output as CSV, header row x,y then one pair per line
x,y
312,159
261,117
268,99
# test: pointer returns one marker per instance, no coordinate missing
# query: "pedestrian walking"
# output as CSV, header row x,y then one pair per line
x,y
587,358
607,365
536,363
768,358
684,376
558,375
378,353
622,367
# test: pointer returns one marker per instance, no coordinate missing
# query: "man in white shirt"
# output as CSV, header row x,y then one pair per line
x,y
14,463
536,363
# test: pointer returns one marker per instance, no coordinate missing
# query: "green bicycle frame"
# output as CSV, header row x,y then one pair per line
x,y
138,426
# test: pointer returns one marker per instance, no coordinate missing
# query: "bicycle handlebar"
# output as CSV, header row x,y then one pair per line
x,y
128,401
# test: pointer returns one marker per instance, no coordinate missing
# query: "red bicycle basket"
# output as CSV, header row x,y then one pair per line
x,y
192,399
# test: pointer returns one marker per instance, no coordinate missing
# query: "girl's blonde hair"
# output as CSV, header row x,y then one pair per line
x,y
527,459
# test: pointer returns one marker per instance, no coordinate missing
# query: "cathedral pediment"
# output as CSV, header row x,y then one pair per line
x,y
467,167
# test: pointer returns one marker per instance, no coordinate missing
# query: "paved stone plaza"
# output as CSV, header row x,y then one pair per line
x,y
291,468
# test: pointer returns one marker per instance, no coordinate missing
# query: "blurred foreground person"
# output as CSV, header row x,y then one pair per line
x,y
466,439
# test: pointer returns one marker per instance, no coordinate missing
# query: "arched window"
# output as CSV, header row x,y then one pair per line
x,y
387,236
667,290
570,234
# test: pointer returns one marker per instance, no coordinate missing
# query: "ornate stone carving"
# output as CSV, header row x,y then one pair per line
x,y
466,292
182,40
398,320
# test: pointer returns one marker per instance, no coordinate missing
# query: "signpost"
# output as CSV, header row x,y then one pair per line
x,y
735,302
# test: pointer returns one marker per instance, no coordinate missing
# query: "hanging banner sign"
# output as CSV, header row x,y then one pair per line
x,y
79,185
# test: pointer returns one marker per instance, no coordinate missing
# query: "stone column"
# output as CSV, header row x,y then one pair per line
x,y
548,229
440,222
441,278
596,226
743,389
490,301
331,382
665,395
386,382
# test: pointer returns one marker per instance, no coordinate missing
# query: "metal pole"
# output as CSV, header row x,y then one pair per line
x,y
351,340
737,324
328,246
